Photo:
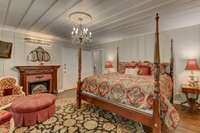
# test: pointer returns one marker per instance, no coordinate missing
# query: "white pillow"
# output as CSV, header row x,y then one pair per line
x,y
132,71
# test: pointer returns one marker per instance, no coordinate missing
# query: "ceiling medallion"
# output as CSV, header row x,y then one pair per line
x,y
80,34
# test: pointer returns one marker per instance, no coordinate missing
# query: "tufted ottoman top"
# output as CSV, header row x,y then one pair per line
x,y
32,103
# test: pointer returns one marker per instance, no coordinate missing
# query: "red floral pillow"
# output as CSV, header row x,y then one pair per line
x,y
7,91
144,70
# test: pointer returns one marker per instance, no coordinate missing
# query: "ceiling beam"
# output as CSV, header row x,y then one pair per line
x,y
131,27
45,12
60,15
7,12
141,18
125,24
25,13
131,15
122,11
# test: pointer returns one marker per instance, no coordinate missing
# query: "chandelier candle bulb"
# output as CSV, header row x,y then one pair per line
x,y
80,34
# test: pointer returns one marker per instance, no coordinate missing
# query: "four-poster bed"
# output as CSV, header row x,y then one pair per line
x,y
149,119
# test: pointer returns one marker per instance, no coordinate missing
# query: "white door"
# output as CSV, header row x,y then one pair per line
x,y
70,67
98,61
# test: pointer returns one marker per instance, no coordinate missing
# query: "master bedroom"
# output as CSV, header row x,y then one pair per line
x,y
99,66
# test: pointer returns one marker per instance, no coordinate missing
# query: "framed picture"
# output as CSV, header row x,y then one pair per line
x,y
5,49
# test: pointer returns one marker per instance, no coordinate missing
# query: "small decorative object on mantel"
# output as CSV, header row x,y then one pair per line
x,y
5,49
192,66
39,55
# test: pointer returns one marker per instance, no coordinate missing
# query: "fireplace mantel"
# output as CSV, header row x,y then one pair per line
x,y
36,73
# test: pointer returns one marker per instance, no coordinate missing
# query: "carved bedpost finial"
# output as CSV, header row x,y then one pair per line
x,y
172,68
117,59
172,59
156,102
157,16
157,58
157,47
172,55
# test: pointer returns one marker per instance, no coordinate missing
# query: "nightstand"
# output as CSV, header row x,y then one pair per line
x,y
193,102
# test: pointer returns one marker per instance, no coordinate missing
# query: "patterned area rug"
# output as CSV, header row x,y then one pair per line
x,y
88,119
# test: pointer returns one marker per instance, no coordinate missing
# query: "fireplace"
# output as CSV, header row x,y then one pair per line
x,y
38,79
39,87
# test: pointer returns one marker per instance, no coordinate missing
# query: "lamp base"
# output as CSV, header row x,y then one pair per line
x,y
193,83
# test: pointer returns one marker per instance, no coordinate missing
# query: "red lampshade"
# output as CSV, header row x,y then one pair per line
x,y
192,65
108,64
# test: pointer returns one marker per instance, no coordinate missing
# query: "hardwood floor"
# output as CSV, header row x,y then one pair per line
x,y
190,122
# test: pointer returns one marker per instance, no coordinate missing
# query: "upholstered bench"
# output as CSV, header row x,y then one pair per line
x,y
29,110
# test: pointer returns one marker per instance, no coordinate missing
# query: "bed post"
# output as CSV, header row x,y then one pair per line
x,y
172,69
78,99
156,101
117,59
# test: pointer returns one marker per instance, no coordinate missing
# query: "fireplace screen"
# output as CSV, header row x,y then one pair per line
x,y
39,87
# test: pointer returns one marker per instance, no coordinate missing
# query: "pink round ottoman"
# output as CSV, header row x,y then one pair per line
x,y
28,110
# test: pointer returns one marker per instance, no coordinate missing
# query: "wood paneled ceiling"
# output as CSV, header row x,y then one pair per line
x,y
112,19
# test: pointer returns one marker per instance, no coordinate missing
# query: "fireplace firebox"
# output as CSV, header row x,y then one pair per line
x,y
39,87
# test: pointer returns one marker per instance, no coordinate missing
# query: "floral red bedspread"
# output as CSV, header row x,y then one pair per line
x,y
136,91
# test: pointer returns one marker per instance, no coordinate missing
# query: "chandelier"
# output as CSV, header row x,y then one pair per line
x,y
81,34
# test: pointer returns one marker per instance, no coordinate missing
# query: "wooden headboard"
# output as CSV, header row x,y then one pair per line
x,y
169,65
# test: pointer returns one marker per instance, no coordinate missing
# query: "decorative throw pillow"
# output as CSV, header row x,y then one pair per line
x,y
124,65
7,91
144,70
132,71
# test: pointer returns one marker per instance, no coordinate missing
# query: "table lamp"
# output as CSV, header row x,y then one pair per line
x,y
192,66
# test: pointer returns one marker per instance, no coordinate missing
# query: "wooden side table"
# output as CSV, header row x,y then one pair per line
x,y
193,102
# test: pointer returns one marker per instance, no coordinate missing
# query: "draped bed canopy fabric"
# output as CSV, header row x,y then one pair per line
x,y
152,121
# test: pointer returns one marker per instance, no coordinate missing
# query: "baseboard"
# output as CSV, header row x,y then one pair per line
x,y
64,89
61,90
